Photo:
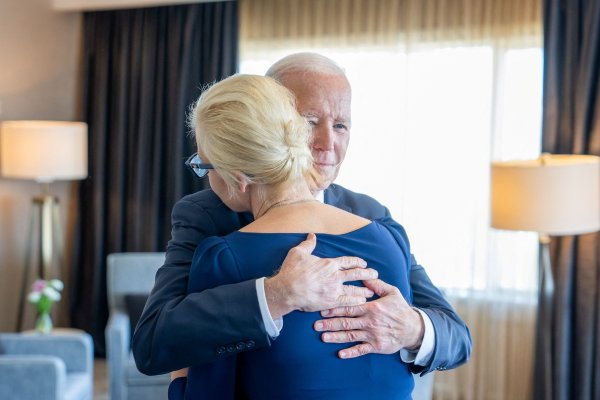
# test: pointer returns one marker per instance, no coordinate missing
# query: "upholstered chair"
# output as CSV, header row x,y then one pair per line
x,y
130,277
55,366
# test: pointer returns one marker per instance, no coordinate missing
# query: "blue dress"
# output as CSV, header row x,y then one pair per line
x,y
298,365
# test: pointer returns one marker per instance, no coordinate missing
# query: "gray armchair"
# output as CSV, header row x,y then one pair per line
x,y
130,277
423,387
57,366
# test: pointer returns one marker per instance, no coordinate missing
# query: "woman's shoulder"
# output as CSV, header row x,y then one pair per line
x,y
395,230
214,263
316,217
213,251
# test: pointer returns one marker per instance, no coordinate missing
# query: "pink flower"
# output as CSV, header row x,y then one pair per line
x,y
45,293
38,285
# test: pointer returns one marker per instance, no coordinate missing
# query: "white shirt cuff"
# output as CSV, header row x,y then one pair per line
x,y
273,327
422,356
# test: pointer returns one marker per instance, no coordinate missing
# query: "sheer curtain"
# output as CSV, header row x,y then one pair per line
x,y
440,89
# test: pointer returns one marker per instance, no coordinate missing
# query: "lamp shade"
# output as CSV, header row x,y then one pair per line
x,y
554,195
44,151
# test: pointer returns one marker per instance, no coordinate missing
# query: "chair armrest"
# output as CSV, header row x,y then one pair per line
x,y
423,386
118,335
118,343
74,348
39,377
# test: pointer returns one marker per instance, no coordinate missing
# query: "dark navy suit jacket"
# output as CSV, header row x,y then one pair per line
x,y
177,330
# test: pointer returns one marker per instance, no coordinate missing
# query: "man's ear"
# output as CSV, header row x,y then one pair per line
x,y
242,181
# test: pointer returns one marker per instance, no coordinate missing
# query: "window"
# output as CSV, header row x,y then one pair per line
x,y
428,124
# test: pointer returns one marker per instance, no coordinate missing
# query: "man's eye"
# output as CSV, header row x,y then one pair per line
x,y
312,122
340,127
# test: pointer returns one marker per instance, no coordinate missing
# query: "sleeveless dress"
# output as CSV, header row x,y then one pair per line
x,y
298,365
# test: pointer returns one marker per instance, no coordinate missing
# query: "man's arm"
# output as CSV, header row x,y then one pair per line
x,y
453,339
388,320
173,321
176,327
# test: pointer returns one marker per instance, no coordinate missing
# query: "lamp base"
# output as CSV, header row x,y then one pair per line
x,y
45,247
544,356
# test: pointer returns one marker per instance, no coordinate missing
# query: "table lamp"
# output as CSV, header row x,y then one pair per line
x,y
43,151
554,195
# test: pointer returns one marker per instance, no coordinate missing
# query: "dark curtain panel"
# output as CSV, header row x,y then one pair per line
x,y
142,69
571,125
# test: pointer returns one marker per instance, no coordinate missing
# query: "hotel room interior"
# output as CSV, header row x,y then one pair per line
x,y
476,122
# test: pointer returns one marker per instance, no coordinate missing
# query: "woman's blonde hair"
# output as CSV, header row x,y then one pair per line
x,y
248,125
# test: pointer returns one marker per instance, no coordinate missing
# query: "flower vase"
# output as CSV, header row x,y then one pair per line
x,y
44,323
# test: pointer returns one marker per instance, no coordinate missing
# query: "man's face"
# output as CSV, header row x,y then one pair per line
x,y
324,100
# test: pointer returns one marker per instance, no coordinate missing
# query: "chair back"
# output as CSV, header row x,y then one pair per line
x,y
130,273
423,387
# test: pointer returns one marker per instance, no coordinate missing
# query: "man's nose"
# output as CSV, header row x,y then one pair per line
x,y
323,138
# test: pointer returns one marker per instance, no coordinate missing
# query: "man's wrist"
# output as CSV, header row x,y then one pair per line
x,y
278,299
272,326
419,332
425,351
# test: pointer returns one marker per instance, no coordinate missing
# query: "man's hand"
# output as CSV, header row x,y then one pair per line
x,y
309,283
384,326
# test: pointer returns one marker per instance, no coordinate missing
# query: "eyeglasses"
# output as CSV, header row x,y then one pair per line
x,y
194,163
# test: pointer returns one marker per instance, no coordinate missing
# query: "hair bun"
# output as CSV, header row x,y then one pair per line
x,y
297,137
248,124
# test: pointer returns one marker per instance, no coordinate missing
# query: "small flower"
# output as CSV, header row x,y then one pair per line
x,y
57,284
34,297
38,285
51,293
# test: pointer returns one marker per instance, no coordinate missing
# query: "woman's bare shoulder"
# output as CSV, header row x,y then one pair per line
x,y
315,217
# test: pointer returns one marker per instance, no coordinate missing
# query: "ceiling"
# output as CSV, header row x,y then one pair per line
x,y
89,5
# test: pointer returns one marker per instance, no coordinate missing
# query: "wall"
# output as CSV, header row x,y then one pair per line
x,y
39,61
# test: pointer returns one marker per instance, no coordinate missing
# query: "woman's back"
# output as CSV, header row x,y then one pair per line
x,y
298,365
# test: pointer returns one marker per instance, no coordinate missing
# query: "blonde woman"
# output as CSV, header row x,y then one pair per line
x,y
255,147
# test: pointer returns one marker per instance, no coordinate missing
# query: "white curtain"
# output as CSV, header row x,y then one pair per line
x,y
440,89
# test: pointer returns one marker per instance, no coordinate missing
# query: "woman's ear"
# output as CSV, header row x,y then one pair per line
x,y
242,181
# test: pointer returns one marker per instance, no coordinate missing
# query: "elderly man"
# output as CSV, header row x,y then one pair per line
x,y
177,330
